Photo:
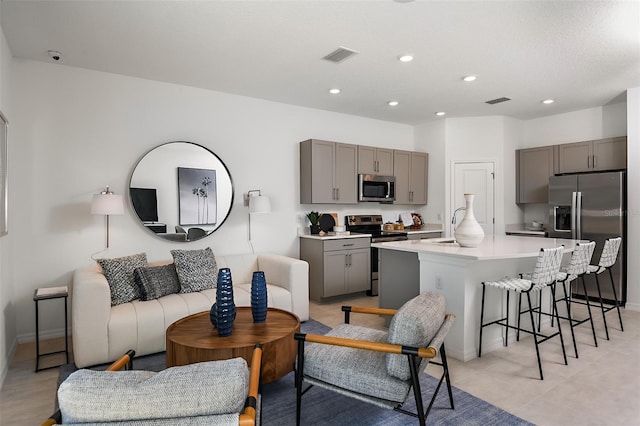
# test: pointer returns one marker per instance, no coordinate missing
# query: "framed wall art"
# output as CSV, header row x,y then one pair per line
x,y
4,202
198,196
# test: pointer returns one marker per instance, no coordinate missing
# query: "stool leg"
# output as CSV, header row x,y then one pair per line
x,y
604,317
481,321
615,296
535,336
506,334
566,300
593,329
555,312
37,340
520,313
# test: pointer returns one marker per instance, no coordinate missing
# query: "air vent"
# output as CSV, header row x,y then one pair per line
x,y
497,101
340,54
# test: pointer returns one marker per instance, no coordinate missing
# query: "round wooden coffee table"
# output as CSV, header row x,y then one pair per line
x,y
193,339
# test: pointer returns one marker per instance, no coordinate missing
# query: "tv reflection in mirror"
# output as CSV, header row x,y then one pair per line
x,y
198,196
145,203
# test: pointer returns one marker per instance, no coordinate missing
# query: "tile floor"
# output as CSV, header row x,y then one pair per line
x,y
602,387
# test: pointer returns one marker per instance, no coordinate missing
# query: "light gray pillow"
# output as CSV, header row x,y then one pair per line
x,y
415,324
196,269
154,282
119,274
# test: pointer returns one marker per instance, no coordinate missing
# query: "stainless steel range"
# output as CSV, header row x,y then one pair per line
x,y
372,224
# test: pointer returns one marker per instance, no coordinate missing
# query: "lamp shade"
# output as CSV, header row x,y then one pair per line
x,y
259,204
107,204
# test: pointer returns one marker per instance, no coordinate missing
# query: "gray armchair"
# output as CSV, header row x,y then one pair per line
x,y
207,393
375,366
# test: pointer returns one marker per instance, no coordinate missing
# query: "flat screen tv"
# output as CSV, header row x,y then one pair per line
x,y
145,203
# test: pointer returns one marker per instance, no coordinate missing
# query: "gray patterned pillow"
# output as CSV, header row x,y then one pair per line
x,y
119,274
156,281
197,269
415,324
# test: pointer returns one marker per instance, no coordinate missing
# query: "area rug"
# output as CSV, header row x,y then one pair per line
x,y
322,407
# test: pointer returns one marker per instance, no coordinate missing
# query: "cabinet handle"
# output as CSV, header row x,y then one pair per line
x,y
337,193
335,197
347,245
349,260
594,161
588,161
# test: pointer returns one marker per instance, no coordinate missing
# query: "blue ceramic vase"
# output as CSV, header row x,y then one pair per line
x,y
259,297
223,312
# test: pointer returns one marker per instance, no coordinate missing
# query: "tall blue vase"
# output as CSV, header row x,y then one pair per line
x,y
223,312
259,297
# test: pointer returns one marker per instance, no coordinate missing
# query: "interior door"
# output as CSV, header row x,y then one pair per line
x,y
478,179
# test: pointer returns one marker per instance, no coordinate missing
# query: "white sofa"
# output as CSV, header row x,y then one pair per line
x,y
102,333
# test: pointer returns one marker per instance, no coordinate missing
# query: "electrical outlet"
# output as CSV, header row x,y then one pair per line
x,y
438,282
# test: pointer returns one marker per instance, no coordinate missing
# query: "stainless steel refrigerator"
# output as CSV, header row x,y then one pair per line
x,y
592,207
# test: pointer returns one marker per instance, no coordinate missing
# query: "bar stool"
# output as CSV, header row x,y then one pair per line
x,y
608,258
544,275
577,268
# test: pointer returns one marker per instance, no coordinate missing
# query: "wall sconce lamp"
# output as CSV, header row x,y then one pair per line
x,y
107,203
257,203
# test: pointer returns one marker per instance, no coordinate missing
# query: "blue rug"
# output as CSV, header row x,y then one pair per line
x,y
323,407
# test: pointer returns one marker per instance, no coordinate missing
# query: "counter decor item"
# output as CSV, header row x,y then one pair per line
x,y
259,297
314,219
469,233
223,312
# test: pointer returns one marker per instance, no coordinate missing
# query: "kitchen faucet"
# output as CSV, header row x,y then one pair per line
x,y
453,219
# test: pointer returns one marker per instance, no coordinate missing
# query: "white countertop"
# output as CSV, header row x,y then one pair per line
x,y
497,247
334,237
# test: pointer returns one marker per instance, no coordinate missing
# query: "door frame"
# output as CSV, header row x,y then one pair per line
x,y
450,195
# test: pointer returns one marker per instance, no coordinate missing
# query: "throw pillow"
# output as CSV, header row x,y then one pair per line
x,y
197,269
119,274
156,281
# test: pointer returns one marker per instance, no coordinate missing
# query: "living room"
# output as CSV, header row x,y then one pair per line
x,y
73,130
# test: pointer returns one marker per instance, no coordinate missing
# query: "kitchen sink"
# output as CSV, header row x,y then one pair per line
x,y
443,241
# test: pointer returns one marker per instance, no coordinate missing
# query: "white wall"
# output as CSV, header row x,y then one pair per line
x,y
633,206
7,309
76,131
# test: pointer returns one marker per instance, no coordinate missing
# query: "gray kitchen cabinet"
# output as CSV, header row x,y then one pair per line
x,y
592,156
533,168
375,161
337,266
327,172
411,171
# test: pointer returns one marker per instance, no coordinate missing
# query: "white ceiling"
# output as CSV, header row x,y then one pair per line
x,y
581,53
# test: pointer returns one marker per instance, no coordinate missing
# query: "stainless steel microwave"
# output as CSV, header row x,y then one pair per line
x,y
376,188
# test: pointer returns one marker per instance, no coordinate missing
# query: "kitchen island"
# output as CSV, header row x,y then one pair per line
x,y
408,268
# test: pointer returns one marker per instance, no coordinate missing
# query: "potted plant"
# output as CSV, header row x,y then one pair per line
x,y
314,219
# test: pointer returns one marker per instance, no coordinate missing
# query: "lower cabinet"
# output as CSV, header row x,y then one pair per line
x,y
337,266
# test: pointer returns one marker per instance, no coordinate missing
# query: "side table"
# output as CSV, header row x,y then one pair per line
x,y
44,294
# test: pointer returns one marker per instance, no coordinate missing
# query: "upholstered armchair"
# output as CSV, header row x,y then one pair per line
x,y
206,393
375,366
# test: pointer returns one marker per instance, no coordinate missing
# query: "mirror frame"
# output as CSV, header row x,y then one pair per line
x,y
177,206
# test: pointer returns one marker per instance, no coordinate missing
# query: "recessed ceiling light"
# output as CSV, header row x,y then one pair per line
x,y
440,113
468,78
334,91
405,58
392,103
548,101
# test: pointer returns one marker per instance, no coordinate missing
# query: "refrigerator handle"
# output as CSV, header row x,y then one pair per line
x,y
573,215
579,215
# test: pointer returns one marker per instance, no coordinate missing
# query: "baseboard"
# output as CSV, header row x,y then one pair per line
x,y
44,335
632,306
10,353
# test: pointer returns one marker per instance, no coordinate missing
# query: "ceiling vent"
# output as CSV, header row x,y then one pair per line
x,y
497,101
340,54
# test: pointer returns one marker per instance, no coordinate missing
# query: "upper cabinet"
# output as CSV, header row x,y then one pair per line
x,y
533,168
328,172
592,156
375,161
411,170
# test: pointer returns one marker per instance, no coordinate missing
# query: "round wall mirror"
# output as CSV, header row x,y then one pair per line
x,y
181,191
